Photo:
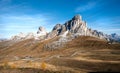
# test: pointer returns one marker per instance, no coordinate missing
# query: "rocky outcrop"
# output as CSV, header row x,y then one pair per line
x,y
19,36
114,38
75,26
57,44
42,31
41,34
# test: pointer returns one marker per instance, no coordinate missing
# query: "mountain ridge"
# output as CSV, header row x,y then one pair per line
x,y
74,27
65,48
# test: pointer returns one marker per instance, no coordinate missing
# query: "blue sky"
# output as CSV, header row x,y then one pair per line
x,y
27,15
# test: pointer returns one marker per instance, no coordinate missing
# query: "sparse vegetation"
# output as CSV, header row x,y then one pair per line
x,y
83,54
6,65
43,65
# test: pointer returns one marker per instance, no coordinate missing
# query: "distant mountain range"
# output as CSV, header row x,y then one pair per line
x,y
114,37
74,27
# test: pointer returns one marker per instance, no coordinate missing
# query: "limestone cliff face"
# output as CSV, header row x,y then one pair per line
x,y
42,31
75,26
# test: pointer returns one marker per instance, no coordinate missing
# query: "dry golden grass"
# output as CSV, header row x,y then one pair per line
x,y
83,54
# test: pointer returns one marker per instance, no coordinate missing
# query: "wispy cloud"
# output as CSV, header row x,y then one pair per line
x,y
23,18
110,30
107,25
12,24
7,6
85,7
117,29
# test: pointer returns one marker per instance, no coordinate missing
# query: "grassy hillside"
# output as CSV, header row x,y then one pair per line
x,y
82,54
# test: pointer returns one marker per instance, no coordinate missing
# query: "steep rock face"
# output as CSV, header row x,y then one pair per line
x,y
70,26
70,30
75,26
41,33
56,30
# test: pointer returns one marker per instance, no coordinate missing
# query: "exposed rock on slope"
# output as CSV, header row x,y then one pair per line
x,y
72,29
57,44
75,26
41,33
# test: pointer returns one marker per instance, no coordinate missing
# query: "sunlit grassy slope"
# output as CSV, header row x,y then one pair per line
x,y
82,54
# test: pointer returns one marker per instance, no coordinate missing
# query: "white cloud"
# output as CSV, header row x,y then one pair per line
x,y
113,29
85,7
13,24
23,19
110,30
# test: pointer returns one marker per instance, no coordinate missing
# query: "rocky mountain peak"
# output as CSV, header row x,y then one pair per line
x,y
114,34
77,17
41,29
114,37
57,27
41,33
73,27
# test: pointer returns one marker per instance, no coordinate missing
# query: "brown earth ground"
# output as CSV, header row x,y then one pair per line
x,y
81,55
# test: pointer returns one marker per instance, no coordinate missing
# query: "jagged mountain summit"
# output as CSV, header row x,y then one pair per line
x,y
38,35
42,31
73,27
71,47
114,37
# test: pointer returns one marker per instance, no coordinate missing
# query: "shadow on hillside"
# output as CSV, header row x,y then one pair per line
x,y
29,70
89,66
